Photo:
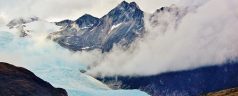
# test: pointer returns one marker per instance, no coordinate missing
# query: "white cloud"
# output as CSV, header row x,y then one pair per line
x,y
55,10
205,36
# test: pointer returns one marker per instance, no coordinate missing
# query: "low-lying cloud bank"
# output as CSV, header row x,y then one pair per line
x,y
205,35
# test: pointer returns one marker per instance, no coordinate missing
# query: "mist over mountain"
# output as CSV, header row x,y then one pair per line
x,y
51,62
138,53
176,38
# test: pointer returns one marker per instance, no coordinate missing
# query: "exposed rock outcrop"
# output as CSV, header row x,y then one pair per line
x,y
18,81
121,26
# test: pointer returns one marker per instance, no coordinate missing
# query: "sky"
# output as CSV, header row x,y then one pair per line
x,y
56,10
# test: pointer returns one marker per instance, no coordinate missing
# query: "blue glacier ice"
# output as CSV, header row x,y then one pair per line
x,y
52,63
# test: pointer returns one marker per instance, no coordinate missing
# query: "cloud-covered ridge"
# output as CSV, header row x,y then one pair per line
x,y
180,39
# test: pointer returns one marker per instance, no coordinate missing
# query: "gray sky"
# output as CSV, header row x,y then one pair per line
x,y
55,10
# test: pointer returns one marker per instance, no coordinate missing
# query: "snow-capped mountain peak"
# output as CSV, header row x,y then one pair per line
x,y
124,12
102,33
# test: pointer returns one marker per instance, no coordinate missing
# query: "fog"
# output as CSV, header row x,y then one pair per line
x,y
203,34
53,63
192,34
206,34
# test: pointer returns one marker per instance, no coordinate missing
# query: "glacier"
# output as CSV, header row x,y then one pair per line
x,y
174,39
51,62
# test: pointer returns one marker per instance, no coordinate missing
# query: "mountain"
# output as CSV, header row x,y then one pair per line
x,y
182,83
17,81
120,26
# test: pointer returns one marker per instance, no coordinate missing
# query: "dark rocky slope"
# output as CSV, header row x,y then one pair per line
x,y
17,81
182,83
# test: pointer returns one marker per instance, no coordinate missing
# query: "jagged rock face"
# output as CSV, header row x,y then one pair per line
x,y
87,21
17,81
64,22
120,26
